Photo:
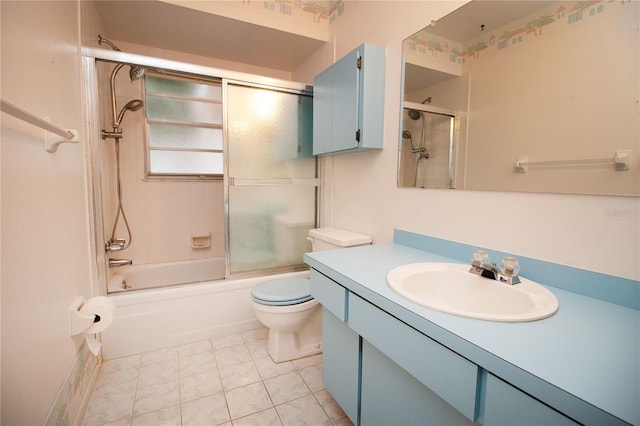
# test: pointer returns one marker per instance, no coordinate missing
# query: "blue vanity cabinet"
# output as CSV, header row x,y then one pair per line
x,y
340,345
507,405
427,380
348,103
340,363
392,396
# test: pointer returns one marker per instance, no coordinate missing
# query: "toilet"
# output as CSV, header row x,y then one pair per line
x,y
285,306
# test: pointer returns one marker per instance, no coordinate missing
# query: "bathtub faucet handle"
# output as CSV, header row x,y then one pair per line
x,y
115,245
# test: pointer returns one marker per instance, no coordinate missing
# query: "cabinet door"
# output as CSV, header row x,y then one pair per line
x,y
391,396
452,377
509,406
335,106
340,363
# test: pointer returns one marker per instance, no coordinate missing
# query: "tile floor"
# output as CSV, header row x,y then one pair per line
x,y
229,380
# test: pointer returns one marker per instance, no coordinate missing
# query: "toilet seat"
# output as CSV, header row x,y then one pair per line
x,y
282,292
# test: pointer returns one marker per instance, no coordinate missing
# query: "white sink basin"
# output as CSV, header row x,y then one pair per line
x,y
450,288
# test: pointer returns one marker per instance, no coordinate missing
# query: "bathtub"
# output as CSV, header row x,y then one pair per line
x,y
165,317
152,275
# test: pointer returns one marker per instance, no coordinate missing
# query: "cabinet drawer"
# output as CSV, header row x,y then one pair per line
x,y
330,294
452,377
507,405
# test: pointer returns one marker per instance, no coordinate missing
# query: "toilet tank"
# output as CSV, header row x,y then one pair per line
x,y
334,238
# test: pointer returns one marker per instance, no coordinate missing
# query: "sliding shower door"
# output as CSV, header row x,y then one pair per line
x,y
271,178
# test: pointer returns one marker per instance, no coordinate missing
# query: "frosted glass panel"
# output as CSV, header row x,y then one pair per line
x,y
161,108
182,88
269,138
268,226
185,162
169,136
269,133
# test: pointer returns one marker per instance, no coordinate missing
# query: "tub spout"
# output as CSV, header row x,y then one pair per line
x,y
119,262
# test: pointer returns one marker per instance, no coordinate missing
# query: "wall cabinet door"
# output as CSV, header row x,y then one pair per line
x,y
348,103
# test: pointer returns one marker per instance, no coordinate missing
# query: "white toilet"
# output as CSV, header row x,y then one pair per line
x,y
286,307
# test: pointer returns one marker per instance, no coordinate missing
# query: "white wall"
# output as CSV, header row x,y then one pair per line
x,y
45,249
598,233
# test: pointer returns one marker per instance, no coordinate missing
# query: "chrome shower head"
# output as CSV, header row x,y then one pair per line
x,y
136,72
133,105
414,114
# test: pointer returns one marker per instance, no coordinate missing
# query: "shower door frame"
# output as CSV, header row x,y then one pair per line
x,y
92,126
454,129
230,181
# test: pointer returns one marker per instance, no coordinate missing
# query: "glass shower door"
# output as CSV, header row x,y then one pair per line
x,y
271,179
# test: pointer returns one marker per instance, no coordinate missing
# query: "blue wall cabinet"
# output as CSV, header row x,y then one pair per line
x,y
348,103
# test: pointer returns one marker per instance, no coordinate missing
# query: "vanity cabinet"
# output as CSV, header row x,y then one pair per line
x,y
348,103
381,371
392,396
507,405
340,345
449,379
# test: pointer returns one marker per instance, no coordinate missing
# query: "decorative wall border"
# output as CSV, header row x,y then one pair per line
x,y
319,10
512,34
76,389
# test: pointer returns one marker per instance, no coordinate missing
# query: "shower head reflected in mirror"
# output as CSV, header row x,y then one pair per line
x,y
414,114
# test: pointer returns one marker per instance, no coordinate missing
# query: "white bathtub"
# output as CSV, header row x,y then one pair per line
x,y
154,319
152,275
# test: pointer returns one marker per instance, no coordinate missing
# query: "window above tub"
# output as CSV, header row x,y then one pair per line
x,y
184,127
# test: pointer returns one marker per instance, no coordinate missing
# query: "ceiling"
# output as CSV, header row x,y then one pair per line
x,y
167,26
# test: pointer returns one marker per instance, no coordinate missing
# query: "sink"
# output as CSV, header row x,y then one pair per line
x,y
450,288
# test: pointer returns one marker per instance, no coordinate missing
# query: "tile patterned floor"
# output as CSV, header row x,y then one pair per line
x,y
229,380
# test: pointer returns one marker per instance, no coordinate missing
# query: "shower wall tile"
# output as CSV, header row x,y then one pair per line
x,y
162,213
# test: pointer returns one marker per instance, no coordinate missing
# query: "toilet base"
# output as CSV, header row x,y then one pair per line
x,y
284,346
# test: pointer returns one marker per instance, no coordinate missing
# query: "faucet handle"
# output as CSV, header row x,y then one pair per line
x,y
480,258
510,266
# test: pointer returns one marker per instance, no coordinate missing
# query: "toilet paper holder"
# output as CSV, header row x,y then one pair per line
x,y
79,322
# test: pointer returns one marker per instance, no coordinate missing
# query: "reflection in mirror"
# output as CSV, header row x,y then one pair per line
x,y
541,96
426,147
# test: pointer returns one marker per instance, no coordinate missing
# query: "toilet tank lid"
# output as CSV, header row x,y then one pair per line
x,y
340,237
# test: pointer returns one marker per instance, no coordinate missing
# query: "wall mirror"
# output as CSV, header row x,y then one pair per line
x,y
535,96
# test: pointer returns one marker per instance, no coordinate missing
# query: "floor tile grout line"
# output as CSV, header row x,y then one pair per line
x,y
245,341
224,394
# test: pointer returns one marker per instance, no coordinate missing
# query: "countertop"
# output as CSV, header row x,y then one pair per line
x,y
583,361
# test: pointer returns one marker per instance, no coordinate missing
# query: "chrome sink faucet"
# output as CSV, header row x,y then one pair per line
x,y
507,273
